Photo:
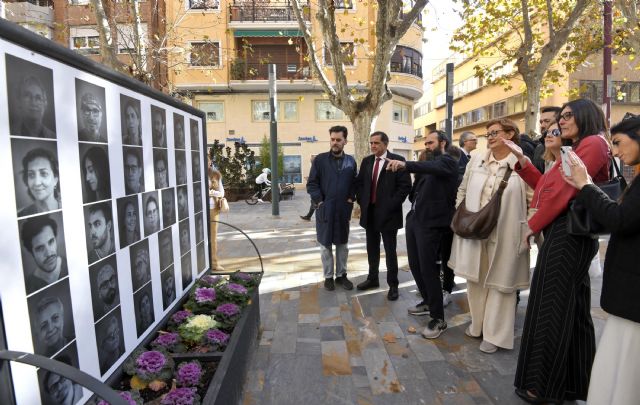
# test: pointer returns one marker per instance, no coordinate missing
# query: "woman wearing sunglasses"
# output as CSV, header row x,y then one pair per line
x,y
558,340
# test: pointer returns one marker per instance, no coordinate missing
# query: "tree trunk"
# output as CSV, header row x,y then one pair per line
x,y
107,49
532,112
138,44
363,123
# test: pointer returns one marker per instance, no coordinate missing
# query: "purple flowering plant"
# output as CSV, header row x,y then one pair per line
x,y
209,281
181,396
234,293
202,300
132,398
248,280
168,341
217,339
189,374
228,315
178,319
147,366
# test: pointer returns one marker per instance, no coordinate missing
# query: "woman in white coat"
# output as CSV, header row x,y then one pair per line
x,y
496,267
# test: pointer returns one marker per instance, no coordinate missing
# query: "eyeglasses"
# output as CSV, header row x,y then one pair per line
x,y
554,132
493,134
471,140
566,116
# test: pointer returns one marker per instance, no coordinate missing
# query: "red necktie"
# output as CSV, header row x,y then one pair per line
x,y
374,181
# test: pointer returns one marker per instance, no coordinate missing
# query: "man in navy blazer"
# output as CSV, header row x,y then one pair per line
x,y
432,209
468,142
380,195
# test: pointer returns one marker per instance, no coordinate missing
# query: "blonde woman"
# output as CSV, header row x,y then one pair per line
x,y
496,267
216,192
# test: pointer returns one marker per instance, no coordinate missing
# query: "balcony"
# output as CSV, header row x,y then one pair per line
x,y
252,12
241,70
412,69
36,15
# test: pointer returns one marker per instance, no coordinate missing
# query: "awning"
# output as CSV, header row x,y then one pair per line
x,y
267,33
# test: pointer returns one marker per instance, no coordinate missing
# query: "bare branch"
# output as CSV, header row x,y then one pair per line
x,y
550,19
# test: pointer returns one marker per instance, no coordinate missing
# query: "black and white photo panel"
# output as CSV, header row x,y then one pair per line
x,y
36,176
181,167
140,264
183,202
109,339
199,227
185,239
128,220
168,207
187,273
143,307
178,130
105,294
30,99
94,168
165,243
168,279
91,112
158,127
195,166
56,389
200,258
160,168
151,212
197,197
133,169
130,121
195,134
98,221
51,318
44,259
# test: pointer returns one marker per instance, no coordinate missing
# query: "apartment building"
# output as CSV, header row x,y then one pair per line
x,y
34,15
221,53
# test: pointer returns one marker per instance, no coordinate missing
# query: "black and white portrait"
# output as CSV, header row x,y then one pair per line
x,y
178,131
160,168
31,103
128,220
44,259
158,127
109,340
165,243
181,167
151,212
183,203
91,112
140,264
168,207
200,257
195,166
51,319
185,238
98,219
96,179
195,134
197,197
133,169
143,307
199,228
105,294
168,279
187,272
130,121
36,176
56,389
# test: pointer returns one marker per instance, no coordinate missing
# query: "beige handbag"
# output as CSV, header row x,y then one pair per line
x,y
223,205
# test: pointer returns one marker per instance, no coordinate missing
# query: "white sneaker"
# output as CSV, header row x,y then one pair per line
x,y
446,298
260,200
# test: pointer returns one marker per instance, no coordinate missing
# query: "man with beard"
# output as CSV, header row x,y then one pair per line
x,y
100,232
91,119
49,326
168,287
59,389
40,238
133,171
427,223
33,103
140,270
331,185
107,285
145,311
110,341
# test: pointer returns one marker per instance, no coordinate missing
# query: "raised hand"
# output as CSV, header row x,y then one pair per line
x,y
395,165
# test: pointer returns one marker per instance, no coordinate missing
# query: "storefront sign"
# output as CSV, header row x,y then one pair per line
x,y
307,139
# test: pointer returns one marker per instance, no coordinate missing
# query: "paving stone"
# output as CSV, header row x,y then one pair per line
x,y
308,318
284,338
289,377
424,349
407,367
499,388
311,331
359,376
339,390
330,316
267,338
329,333
308,346
335,358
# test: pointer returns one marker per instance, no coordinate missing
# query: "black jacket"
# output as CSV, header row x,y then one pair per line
x,y
462,165
621,275
391,191
434,193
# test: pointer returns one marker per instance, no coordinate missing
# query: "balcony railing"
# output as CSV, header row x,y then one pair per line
x,y
240,70
415,70
274,12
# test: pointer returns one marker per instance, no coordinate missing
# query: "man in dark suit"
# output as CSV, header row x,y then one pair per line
x,y
468,142
380,195
432,209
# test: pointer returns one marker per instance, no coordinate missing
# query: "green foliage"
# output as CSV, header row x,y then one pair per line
x,y
193,330
265,155
238,169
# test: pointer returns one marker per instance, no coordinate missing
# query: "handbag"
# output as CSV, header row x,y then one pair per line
x,y
480,224
580,222
223,205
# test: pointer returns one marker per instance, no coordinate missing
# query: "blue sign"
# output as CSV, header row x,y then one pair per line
x,y
403,139
239,140
307,139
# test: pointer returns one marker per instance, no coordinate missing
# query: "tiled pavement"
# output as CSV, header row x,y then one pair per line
x,y
350,347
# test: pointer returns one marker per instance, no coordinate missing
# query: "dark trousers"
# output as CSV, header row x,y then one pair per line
x,y
389,240
312,209
445,253
423,247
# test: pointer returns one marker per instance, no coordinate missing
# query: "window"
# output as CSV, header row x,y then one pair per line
x,y
213,109
78,2
441,99
344,4
85,40
500,109
292,172
401,113
406,60
260,110
205,54
287,110
348,54
325,111
127,39
204,4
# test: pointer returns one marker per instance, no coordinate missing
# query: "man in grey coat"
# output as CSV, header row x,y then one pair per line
x,y
331,186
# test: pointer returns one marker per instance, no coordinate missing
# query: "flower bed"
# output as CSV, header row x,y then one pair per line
x,y
201,348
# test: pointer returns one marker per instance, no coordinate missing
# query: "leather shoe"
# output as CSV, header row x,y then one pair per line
x,y
392,295
530,398
368,284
